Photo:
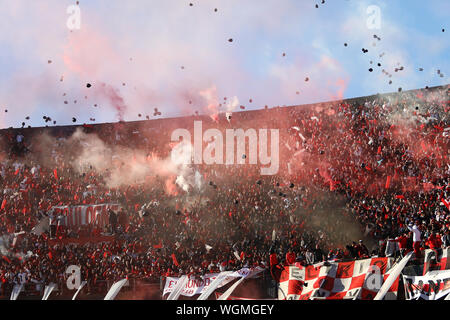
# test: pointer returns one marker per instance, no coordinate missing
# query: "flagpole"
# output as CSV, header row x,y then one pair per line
x,y
396,270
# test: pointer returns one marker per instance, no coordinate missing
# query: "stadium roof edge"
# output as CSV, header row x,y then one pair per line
x,y
246,111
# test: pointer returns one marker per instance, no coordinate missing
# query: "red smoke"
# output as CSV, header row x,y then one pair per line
x,y
116,101
171,188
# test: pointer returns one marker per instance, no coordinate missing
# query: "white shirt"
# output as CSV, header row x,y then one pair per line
x,y
416,233
22,277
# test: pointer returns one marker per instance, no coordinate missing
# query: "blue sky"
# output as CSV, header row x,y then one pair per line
x,y
145,44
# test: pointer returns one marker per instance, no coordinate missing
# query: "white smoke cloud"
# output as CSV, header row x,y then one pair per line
x,y
125,166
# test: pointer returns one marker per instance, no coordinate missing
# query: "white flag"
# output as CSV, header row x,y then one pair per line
x,y
178,288
48,290
235,285
115,288
16,291
393,274
214,285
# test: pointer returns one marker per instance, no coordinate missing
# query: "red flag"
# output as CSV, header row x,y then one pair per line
x,y
290,258
331,185
174,258
273,259
158,246
3,204
446,203
400,196
424,147
17,171
55,172
379,150
388,182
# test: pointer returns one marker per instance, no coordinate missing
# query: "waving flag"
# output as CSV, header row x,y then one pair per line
x,y
337,280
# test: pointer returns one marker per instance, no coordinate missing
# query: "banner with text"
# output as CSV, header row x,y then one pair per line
x,y
86,214
432,286
198,286
436,259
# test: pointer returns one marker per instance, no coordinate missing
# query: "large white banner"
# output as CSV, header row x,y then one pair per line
x,y
432,286
196,286
176,292
214,285
235,285
193,286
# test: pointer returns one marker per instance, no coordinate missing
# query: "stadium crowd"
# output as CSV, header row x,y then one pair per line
x,y
358,178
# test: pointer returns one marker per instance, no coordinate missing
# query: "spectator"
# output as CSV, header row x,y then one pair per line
x,y
416,238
